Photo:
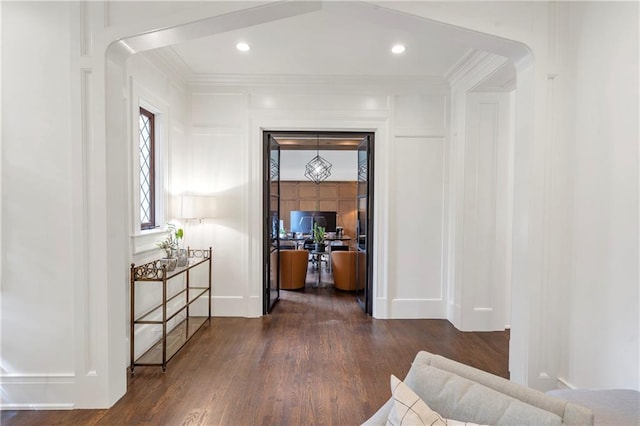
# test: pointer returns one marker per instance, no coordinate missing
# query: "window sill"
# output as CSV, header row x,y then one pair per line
x,y
146,240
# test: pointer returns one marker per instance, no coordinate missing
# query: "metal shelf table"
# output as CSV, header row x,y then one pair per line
x,y
171,341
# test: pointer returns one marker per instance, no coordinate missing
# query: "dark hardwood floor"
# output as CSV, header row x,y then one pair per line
x,y
316,360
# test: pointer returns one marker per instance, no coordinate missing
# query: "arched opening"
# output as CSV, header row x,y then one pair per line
x,y
117,158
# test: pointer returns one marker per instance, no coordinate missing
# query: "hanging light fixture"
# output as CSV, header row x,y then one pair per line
x,y
318,169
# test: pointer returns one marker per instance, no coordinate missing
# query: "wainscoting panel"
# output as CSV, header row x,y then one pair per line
x,y
420,115
315,102
485,224
416,228
230,109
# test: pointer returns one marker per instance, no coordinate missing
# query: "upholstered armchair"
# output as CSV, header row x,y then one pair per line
x,y
343,266
293,269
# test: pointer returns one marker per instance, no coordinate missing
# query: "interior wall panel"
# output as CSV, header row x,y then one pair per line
x,y
420,114
483,278
416,219
219,109
317,102
214,171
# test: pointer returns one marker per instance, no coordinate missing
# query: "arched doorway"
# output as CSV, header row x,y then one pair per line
x,y
117,186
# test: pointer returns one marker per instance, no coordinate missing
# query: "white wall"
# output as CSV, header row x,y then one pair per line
x,y
603,347
38,207
151,87
416,220
416,207
216,167
484,277
71,298
481,194
344,164
226,128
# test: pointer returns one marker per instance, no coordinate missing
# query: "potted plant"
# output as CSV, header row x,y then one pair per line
x,y
171,246
183,256
318,236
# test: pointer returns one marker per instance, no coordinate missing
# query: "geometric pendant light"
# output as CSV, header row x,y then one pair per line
x,y
318,169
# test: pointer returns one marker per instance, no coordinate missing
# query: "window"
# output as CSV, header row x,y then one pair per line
x,y
146,127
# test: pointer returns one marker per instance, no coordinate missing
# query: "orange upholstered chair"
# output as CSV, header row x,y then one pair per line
x,y
343,265
293,269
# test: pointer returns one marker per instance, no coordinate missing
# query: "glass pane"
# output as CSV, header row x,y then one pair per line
x,y
274,166
362,166
272,203
145,154
362,224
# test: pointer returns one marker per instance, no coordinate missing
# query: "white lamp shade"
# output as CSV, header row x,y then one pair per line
x,y
196,206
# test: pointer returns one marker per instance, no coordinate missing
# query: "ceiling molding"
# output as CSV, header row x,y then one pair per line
x,y
426,82
459,66
243,18
170,62
474,67
502,79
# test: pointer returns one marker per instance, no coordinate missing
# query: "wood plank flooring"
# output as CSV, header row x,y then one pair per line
x,y
316,360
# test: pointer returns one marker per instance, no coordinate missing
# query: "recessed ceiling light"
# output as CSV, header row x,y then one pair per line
x,y
398,48
243,47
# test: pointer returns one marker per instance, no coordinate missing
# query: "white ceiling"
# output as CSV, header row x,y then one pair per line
x,y
330,38
333,40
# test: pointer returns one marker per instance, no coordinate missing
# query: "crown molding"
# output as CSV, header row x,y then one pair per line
x,y
462,65
342,81
473,67
170,62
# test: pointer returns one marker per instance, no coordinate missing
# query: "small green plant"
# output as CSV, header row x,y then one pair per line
x,y
172,242
318,233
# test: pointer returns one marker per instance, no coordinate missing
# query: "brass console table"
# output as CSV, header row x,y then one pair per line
x,y
171,341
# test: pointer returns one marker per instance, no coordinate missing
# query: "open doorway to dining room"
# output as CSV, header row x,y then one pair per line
x,y
318,181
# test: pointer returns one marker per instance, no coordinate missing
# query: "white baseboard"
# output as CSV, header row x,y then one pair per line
x,y
418,309
38,392
380,308
255,307
221,306
36,406
228,306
